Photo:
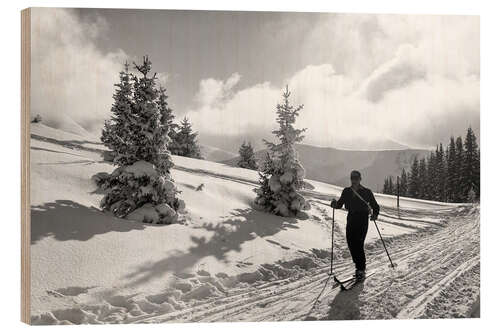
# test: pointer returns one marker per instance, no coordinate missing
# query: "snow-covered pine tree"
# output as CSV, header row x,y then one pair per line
x,y
116,134
413,185
471,166
403,184
459,174
37,119
431,176
390,186
141,188
422,179
450,163
281,174
451,182
385,189
185,141
247,157
440,174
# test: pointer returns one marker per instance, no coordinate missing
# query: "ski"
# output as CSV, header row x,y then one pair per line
x,y
341,283
354,282
350,285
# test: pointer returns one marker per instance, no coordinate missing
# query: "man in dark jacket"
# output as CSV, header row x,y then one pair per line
x,y
360,204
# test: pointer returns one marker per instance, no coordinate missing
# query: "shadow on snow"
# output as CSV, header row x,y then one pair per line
x,y
346,304
241,226
67,220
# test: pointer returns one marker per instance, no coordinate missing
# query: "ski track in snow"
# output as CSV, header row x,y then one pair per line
x,y
437,276
436,261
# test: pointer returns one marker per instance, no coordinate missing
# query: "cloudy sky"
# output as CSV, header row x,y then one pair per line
x,y
366,81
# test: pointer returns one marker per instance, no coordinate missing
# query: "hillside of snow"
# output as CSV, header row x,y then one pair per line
x,y
225,260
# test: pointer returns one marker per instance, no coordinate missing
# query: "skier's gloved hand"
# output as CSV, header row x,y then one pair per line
x,y
374,217
333,204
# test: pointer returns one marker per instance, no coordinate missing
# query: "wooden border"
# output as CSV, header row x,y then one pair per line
x,y
25,166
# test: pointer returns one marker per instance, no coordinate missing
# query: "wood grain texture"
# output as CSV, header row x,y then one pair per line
x,y
25,164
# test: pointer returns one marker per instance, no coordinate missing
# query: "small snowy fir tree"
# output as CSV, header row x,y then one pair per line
x,y
403,184
459,173
471,164
185,142
141,188
37,119
422,179
451,181
247,157
413,183
390,186
385,189
281,174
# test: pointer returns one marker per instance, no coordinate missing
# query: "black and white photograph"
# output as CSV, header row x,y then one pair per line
x,y
227,166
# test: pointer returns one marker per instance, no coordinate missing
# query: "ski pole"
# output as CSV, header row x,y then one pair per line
x,y
331,253
383,243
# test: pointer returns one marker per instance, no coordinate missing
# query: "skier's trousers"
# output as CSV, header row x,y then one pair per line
x,y
357,227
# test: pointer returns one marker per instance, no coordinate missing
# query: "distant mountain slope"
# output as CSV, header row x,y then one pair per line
x,y
364,145
232,144
215,154
332,165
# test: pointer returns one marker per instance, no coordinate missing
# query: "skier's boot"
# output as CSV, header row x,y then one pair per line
x,y
360,275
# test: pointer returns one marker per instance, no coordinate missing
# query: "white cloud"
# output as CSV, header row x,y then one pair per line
x,y
419,112
412,79
372,78
429,111
213,91
72,80
246,111
400,71
328,113
448,44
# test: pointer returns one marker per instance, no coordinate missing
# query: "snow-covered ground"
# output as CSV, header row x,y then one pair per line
x,y
227,261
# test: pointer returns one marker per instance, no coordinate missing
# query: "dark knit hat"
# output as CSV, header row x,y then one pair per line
x,y
355,174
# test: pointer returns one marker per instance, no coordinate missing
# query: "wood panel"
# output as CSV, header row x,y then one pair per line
x,y
25,164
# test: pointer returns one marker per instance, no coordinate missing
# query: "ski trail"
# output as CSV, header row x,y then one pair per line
x,y
416,307
431,243
434,266
428,263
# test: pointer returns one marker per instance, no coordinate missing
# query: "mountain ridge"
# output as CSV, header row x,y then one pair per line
x,y
333,165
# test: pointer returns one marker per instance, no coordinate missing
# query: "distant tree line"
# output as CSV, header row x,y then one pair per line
x,y
447,175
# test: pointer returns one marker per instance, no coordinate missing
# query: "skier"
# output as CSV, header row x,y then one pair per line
x,y
360,204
